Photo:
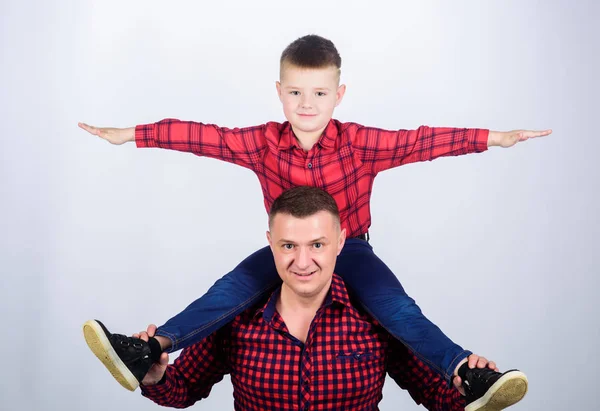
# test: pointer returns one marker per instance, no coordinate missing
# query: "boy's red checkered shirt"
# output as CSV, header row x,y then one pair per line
x,y
341,366
344,162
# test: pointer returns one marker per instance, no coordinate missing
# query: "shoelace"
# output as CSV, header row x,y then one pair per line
x,y
481,374
125,341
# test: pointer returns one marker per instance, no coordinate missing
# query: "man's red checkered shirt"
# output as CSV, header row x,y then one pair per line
x,y
344,162
341,366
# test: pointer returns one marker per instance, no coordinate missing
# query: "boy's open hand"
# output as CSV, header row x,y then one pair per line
x,y
116,136
510,138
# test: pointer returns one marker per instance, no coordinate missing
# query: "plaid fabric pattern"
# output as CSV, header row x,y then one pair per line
x,y
344,162
341,366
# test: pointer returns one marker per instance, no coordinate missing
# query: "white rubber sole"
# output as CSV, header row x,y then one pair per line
x,y
507,391
101,347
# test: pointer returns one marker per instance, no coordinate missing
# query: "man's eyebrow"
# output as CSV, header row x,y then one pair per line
x,y
316,240
285,241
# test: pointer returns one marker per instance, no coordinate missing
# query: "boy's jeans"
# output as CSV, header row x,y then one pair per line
x,y
366,276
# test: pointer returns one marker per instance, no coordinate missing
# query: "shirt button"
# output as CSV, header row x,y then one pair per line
x,y
309,165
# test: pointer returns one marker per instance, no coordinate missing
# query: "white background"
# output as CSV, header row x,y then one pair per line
x,y
499,249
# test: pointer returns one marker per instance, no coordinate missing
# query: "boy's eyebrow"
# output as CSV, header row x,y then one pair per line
x,y
298,88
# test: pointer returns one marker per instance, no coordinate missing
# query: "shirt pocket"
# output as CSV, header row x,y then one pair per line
x,y
348,360
360,374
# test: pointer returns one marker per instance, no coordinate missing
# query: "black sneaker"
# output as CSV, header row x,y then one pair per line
x,y
128,359
488,390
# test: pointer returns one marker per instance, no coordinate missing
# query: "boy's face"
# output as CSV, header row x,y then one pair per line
x,y
309,97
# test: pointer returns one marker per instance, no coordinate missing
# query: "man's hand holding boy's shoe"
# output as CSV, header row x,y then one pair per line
x,y
158,369
485,388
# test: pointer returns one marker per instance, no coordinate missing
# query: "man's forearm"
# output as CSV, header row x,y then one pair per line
x,y
171,391
424,385
192,375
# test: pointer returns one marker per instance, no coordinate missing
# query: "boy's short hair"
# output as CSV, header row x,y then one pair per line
x,y
302,202
311,51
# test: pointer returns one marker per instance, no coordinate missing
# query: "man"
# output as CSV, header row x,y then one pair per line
x,y
307,347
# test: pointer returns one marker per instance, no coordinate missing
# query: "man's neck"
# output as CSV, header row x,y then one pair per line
x,y
298,312
308,139
288,299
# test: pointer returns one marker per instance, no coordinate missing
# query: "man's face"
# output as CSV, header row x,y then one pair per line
x,y
305,251
309,96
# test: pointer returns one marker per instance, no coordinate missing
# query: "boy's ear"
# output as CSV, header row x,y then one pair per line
x,y
278,87
340,94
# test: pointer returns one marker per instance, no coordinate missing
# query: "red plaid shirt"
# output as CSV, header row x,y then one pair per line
x,y
344,162
342,365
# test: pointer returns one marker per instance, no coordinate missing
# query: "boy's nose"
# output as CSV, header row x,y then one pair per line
x,y
306,103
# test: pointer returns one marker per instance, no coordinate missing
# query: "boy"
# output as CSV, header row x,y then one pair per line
x,y
309,149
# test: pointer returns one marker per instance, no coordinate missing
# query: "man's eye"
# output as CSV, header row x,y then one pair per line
x,y
288,246
318,245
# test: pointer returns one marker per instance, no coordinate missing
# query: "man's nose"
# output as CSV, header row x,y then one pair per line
x,y
303,258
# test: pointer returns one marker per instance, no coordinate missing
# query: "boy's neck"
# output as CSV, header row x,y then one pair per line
x,y
307,139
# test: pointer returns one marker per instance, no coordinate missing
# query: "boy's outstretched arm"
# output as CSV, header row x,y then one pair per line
x,y
384,149
241,146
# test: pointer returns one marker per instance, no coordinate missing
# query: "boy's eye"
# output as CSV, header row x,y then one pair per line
x,y
295,93
321,94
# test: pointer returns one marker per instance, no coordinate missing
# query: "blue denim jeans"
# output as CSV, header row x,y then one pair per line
x,y
368,279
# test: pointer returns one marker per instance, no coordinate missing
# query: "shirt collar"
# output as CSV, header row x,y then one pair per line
x,y
327,139
337,294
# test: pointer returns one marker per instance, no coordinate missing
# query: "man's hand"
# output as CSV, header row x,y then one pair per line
x,y
116,136
474,361
156,372
510,138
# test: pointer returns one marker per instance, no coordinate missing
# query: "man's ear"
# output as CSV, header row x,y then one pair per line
x,y
341,241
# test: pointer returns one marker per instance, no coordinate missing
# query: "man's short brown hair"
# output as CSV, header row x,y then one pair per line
x,y
302,202
311,52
